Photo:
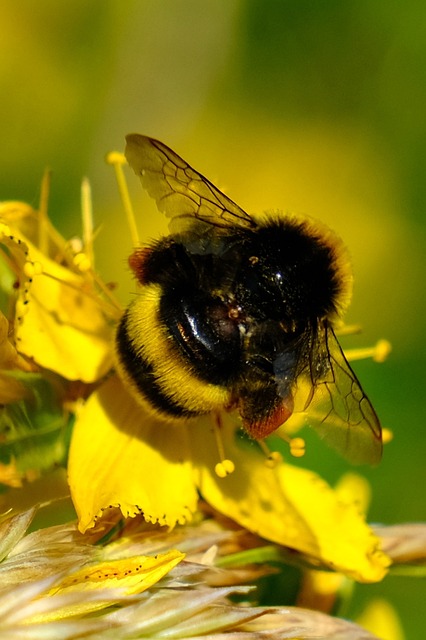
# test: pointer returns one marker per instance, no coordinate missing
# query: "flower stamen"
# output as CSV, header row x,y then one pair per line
x,y
112,310
296,445
273,458
117,160
378,352
348,329
225,467
43,238
87,222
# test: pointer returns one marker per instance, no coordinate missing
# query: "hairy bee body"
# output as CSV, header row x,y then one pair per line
x,y
229,319
233,311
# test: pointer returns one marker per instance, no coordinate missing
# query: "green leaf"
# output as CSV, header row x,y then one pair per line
x,y
34,431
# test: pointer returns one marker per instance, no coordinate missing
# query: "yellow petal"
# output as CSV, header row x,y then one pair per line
x,y
288,505
252,494
354,489
121,456
64,329
59,323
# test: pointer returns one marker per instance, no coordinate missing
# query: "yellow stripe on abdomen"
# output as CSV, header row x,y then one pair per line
x,y
152,364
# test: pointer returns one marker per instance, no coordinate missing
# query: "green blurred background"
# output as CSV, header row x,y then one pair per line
x,y
308,106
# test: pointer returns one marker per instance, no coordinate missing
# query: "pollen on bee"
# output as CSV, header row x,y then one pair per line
x,y
234,313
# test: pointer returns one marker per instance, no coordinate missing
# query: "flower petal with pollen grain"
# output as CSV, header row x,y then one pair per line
x,y
122,456
288,505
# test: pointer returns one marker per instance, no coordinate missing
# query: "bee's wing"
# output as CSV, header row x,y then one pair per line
x,y
338,409
179,190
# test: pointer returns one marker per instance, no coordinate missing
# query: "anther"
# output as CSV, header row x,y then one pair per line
x,y
115,157
297,447
383,349
387,435
272,458
82,262
224,468
32,269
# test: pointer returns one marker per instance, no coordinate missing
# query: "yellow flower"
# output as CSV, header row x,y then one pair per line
x,y
121,456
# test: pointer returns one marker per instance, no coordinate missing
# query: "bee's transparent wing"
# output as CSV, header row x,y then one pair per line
x,y
179,190
337,407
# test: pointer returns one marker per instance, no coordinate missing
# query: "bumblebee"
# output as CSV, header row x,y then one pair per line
x,y
237,312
